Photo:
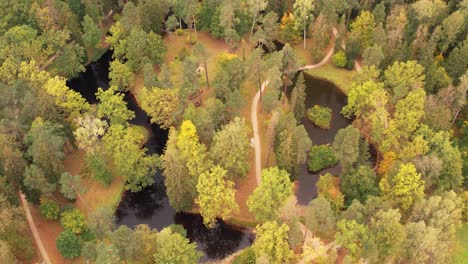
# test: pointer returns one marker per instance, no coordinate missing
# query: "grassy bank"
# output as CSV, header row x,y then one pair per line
x,y
340,77
461,249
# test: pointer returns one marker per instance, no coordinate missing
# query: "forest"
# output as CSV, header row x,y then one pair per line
x,y
233,131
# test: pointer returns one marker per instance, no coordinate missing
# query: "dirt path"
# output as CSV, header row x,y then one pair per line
x,y
256,141
34,230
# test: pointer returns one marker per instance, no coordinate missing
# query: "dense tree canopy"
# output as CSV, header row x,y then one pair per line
x,y
397,191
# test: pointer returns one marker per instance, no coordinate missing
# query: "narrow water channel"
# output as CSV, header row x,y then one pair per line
x,y
323,93
151,206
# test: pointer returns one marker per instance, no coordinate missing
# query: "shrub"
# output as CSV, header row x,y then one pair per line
x,y
246,257
68,244
320,116
49,209
191,39
73,220
321,157
96,166
179,32
182,54
339,59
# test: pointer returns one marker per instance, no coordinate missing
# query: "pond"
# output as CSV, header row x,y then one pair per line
x,y
323,93
151,206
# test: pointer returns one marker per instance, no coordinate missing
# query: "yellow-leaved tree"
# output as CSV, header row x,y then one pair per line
x,y
217,196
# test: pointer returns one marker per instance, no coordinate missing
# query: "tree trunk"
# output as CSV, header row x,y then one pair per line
x,y
55,199
81,198
195,26
251,29
268,154
304,35
456,115
259,86
206,74
284,89
347,20
180,23
190,35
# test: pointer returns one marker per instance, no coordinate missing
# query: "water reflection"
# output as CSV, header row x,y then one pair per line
x,y
323,93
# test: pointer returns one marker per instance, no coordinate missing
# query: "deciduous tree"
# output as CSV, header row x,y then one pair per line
x,y
184,160
272,242
270,195
403,77
121,76
362,29
174,248
161,105
113,106
405,188
73,220
70,101
123,144
216,196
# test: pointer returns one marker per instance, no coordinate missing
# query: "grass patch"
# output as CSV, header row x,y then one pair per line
x,y
461,250
238,222
340,77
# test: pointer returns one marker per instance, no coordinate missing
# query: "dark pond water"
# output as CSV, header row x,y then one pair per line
x,y
323,93
151,206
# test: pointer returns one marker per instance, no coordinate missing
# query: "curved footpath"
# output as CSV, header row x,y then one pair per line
x,y
256,142
34,231
258,160
258,153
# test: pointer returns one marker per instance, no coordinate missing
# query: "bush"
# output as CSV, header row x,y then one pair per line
x,y
339,59
246,257
179,32
96,166
320,116
68,244
182,54
73,220
321,157
191,39
49,209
